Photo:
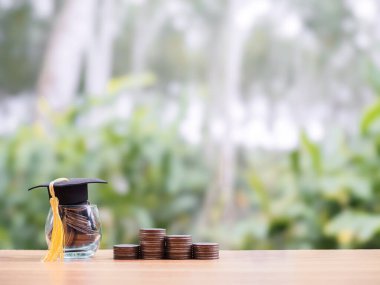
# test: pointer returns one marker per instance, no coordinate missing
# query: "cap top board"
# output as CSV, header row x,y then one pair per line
x,y
71,192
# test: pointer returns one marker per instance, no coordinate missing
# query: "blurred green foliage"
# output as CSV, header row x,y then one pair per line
x,y
155,179
23,36
321,196
317,196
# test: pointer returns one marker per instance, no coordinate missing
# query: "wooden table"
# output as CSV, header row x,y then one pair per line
x,y
233,267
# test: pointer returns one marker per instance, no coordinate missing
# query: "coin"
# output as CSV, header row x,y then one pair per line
x,y
126,251
178,246
152,242
205,250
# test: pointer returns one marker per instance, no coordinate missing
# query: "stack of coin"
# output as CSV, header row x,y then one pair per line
x,y
178,246
152,243
126,251
206,250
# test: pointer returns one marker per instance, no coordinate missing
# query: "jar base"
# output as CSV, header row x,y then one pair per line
x,y
79,255
83,252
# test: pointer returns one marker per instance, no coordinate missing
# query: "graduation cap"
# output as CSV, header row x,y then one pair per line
x,y
73,191
64,191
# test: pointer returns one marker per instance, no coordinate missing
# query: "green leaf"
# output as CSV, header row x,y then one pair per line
x,y
314,152
122,83
373,74
257,185
350,226
295,161
371,115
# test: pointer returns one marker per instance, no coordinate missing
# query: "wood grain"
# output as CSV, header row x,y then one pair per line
x,y
233,267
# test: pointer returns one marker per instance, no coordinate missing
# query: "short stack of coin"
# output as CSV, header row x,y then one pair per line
x,y
205,250
126,251
152,241
178,246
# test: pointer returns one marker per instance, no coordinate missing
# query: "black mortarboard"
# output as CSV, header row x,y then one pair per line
x,y
71,192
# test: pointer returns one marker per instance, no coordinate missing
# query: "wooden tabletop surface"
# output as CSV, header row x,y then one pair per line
x,y
233,267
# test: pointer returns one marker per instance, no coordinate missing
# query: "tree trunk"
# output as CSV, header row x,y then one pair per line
x,y
225,91
100,51
60,75
145,34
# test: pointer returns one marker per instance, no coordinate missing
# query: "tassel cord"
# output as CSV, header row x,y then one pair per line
x,y
56,248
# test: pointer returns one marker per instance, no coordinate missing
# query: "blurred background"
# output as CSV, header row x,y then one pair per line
x,y
254,123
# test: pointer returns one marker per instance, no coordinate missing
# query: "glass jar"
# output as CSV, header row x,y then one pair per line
x,y
82,230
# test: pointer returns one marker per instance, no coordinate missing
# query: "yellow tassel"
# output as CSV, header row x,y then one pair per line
x,y
58,235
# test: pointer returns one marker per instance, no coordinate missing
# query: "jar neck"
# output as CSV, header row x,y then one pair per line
x,y
76,204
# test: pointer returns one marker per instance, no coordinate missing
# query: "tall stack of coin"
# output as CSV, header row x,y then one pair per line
x,y
152,241
206,250
178,246
126,251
